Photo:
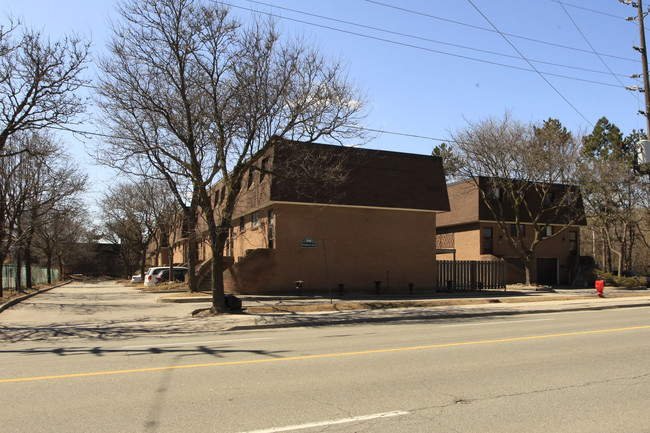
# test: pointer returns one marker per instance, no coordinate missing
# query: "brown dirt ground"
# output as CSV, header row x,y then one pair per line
x,y
9,294
376,305
181,290
161,288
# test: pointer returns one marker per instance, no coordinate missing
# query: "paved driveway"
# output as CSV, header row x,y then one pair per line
x,y
97,309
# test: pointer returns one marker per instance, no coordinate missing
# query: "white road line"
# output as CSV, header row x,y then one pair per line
x,y
198,342
493,323
332,422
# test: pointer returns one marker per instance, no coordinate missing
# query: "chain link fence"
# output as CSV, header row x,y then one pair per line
x,y
39,275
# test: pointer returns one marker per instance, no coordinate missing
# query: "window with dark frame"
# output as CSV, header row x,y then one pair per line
x,y
271,229
217,197
264,168
573,243
230,244
255,219
494,194
549,197
242,224
487,241
513,230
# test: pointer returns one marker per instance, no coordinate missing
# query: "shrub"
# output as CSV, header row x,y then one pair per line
x,y
615,281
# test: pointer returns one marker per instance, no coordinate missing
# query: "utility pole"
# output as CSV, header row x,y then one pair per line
x,y
644,62
643,145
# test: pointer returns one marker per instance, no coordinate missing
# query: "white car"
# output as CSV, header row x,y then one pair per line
x,y
152,276
137,278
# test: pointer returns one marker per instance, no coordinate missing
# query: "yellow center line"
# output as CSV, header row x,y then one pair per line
x,y
326,355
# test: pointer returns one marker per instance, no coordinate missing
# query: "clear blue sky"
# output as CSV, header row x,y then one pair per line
x,y
429,65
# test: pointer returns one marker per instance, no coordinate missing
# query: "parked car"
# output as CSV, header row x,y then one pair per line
x,y
179,274
151,276
137,278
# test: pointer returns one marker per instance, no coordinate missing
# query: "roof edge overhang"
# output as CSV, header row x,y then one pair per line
x,y
333,205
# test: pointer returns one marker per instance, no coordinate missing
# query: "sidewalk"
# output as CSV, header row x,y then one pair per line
x,y
445,306
108,310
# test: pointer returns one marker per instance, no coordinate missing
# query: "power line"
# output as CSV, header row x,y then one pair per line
x,y
406,35
589,10
494,31
361,128
418,47
594,51
531,65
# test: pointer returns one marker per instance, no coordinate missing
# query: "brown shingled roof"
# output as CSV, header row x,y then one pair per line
x,y
374,178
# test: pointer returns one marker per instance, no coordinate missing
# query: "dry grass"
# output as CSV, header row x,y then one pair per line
x,y
165,287
379,305
376,305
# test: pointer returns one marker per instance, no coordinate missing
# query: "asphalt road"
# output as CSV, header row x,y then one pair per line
x,y
561,372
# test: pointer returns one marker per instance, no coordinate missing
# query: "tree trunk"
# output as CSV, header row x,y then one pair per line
x,y
2,261
143,264
630,249
191,216
218,291
28,260
60,260
19,271
48,261
607,255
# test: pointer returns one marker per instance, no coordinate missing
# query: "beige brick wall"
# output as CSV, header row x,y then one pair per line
x,y
362,246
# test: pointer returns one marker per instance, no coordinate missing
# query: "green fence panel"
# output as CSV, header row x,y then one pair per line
x,y
39,275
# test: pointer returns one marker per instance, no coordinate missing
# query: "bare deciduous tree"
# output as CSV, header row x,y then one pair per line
x,y
59,234
38,79
614,196
525,163
132,214
33,183
194,94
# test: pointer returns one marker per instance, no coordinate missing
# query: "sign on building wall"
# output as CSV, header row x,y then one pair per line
x,y
308,243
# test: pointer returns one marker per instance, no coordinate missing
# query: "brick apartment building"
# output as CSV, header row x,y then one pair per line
x,y
377,224
472,231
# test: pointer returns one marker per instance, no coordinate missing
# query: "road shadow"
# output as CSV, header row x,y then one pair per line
x,y
215,350
105,330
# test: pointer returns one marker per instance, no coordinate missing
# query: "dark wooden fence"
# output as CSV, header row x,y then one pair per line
x,y
471,275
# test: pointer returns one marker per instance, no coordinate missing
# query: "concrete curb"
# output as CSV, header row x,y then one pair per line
x,y
15,301
429,316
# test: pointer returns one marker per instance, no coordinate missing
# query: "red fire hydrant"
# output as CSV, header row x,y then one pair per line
x,y
600,286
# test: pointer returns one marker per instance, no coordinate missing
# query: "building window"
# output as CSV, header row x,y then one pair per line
x,y
271,229
573,243
229,243
547,231
264,168
487,240
513,230
250,178
549,198
242,224
255,219
494,194
217,197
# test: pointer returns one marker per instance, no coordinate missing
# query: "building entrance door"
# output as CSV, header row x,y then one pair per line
x,y
547,271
